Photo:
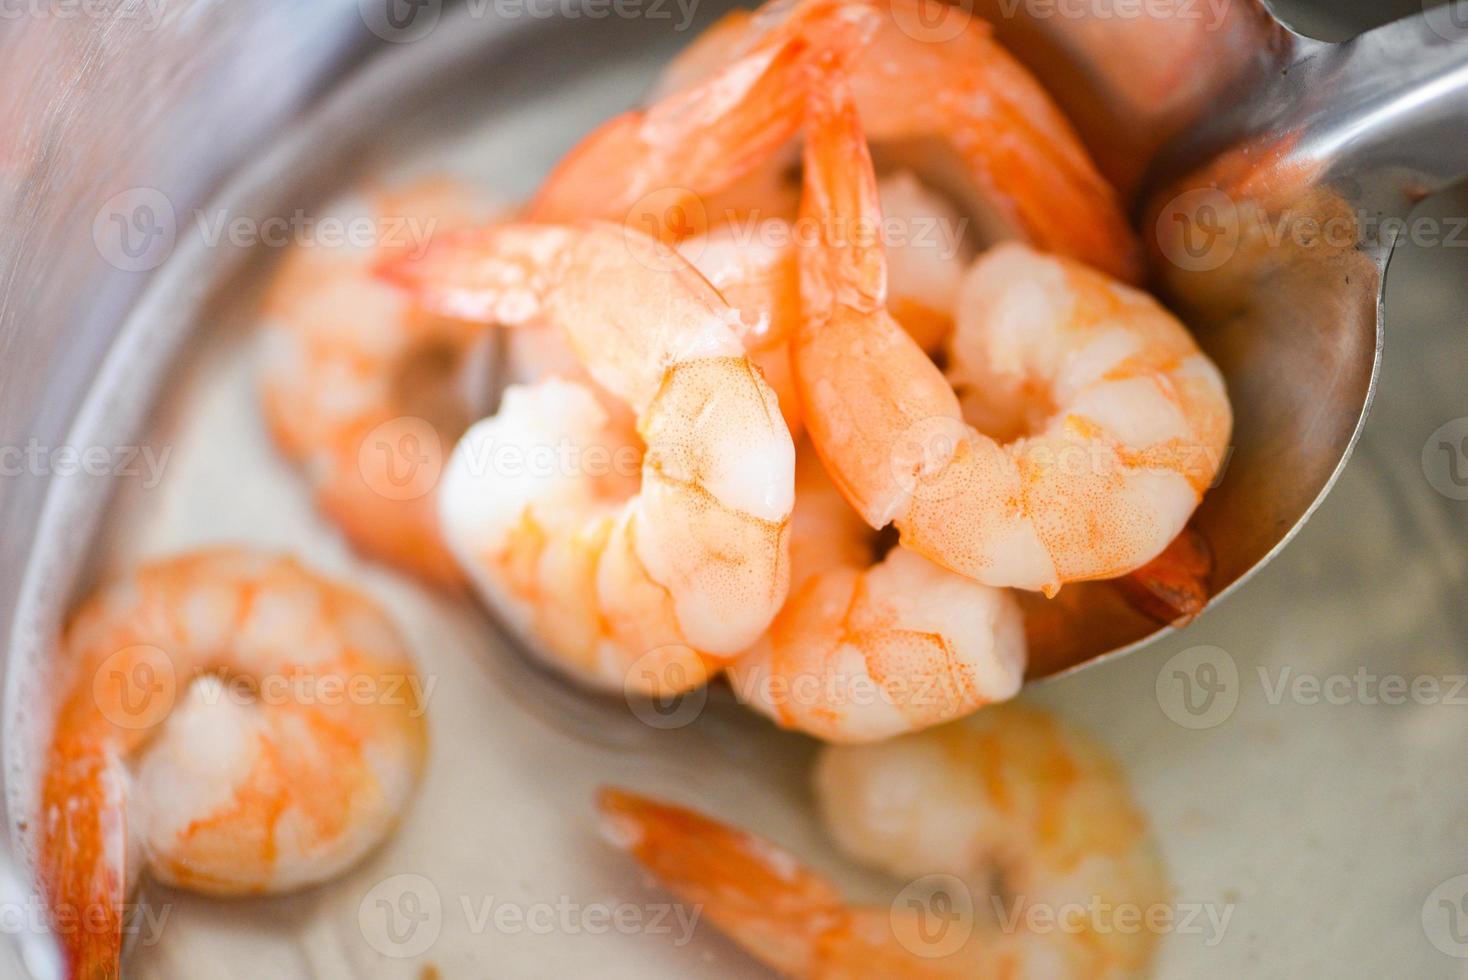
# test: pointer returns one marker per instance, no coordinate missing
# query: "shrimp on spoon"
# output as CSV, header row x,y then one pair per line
x,y
653,168
754,264
1114,423
937,93
864,650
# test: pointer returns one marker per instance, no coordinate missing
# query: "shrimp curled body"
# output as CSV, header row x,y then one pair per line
x,y
866,650
936,90
362,388
234,724
1007,796
649,583
1107,421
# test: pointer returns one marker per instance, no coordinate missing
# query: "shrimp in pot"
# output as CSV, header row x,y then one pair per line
x,y
643,573
365,390
866,650
936,91
233,724
1006,801
1108,423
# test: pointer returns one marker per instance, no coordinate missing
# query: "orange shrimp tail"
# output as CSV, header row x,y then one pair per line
x,y
1023,154
755,892
651,167
440,275
490,275
841,201
81,866
843,282
1173,587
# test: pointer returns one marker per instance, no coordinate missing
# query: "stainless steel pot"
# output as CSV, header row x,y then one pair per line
x,y
174,97
96,99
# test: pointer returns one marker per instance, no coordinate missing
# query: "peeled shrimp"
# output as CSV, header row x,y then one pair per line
x,y
367,391
864,651
1007,800
1114,422
646,580
932,78
232,723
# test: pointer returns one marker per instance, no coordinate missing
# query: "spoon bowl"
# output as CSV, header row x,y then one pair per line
x,y
1270,176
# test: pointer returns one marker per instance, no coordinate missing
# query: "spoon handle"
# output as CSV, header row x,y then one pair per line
x,y
1390,108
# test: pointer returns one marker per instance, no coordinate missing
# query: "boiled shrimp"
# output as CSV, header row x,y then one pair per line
x,y
937,92
866,650
1007,800
233,724
754,268
646,579
369,392
1100,423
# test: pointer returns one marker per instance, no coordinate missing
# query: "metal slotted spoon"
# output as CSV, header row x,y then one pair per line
x,y
1272,175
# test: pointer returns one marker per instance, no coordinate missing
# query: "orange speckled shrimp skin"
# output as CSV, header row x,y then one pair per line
x,y
1008,795
154,764
363,389
1103,423
861,378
